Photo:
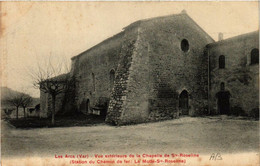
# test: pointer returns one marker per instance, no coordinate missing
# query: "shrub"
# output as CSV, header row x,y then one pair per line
x,y
254,113
213,112
237,111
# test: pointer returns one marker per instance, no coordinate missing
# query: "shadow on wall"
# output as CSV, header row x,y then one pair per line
x,y
164,106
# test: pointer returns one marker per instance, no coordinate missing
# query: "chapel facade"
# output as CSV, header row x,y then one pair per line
x,y
163,68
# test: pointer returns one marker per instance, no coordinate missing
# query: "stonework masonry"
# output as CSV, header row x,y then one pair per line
x,y
240,77
92,70
161,68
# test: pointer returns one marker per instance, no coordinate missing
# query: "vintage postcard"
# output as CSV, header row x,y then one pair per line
x,y
129,83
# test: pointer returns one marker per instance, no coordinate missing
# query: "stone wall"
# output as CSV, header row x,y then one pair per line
x,y
46,105
154,71
64,101
43,104
241,78
92,71
118,102
139,74
136,105
171,70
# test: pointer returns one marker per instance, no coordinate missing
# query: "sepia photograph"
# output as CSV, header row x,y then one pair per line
x,y
129,83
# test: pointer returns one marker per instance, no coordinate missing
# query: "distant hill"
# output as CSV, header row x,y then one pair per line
x,y
8,92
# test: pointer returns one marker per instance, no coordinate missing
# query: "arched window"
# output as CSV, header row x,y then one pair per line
x,y
93,82
221,61
185,45
112,78
254,56
222,86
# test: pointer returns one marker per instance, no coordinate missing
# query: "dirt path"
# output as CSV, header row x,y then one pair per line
x,y
194,135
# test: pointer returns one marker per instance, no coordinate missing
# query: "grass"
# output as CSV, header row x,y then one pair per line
x,y
78,120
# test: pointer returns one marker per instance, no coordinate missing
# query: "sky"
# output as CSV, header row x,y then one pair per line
x,y
34,32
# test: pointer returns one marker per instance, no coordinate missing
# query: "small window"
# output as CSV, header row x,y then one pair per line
x,y
112,78
185,45
222,86
221,61
254,56
94,82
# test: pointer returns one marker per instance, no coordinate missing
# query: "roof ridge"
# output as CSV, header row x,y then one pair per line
x,y
183,12
152,18
233,38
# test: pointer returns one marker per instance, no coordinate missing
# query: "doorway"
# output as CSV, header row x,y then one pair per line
x,y
223,102
184,103
87,107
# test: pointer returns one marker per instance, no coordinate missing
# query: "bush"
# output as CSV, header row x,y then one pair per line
x,y
213,112
254,113
205,111
237,111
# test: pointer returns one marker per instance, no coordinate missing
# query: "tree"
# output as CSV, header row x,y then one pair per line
x,y
26,101
16,100
50,80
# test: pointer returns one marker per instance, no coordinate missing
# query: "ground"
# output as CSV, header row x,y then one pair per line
x,y
60,121
201,135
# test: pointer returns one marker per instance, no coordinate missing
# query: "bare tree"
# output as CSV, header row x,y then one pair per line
x,y
26,101
16,100
50,80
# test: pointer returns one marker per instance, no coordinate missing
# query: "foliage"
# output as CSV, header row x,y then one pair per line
x,y
254,113
19,100
52,80
16,99
26,101
237,111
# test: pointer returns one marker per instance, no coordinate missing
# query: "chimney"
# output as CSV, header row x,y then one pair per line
x,y
220,36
